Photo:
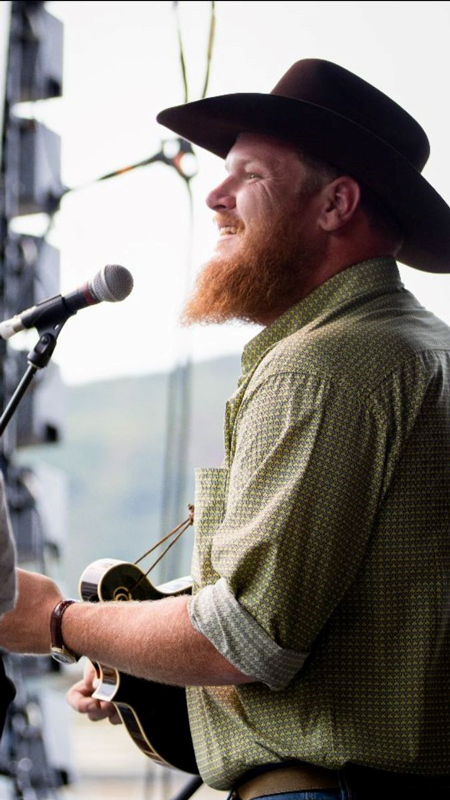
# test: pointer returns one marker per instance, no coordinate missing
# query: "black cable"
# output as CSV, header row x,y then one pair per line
x,y
189,788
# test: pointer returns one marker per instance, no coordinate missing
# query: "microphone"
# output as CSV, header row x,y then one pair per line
x,y
113,283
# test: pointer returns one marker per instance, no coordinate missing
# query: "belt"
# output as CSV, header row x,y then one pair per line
x,y
303,777
294,778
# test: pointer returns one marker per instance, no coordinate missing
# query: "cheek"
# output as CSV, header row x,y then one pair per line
x,y
260,202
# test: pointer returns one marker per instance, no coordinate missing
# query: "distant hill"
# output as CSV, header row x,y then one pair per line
x,y
113,455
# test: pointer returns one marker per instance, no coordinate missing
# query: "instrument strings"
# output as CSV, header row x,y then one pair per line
x,y
175,533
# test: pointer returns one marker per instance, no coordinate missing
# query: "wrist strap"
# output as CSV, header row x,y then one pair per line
x,y
56,623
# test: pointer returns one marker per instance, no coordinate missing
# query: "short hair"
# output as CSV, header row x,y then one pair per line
x,y
379,217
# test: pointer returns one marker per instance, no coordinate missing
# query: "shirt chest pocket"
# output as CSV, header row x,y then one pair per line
x,y
210,497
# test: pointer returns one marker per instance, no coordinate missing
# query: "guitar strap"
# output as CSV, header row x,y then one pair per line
x,y
175,533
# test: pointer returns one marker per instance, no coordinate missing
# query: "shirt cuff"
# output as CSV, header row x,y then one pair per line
x,y
216,613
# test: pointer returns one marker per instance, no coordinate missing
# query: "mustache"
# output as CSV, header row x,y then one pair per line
x,y
222,220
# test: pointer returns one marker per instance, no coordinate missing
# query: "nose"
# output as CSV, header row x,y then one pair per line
x,y
222,197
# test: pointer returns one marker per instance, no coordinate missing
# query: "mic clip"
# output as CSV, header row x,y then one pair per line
x,y
42,352
53,314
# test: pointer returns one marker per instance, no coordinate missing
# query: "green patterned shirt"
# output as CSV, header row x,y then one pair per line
x,y
322,557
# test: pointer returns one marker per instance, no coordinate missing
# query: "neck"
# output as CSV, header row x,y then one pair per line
x,y
322,273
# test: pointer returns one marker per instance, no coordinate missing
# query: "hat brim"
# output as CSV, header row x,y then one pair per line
x,y
424,217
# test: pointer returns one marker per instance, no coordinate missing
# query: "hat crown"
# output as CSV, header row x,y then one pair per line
x,y
332,87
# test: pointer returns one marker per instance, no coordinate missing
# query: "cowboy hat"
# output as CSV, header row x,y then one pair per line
x,y
333,114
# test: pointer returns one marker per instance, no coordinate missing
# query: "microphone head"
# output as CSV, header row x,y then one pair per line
x,y
112,283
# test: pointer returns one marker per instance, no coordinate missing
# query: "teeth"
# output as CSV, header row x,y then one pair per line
x,y
227,229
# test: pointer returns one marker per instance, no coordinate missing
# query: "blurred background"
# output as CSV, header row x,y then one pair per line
x,y
100,457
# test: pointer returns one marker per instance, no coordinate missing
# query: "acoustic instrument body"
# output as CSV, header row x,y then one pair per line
x,y
154,714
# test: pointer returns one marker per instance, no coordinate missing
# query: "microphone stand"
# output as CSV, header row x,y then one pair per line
x,y
189,788
38,358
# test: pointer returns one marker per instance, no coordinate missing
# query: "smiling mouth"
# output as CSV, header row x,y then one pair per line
x,y
227,230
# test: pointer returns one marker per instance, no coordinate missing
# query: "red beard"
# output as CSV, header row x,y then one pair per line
x,y
265,276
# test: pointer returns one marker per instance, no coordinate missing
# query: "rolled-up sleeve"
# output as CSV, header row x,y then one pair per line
x,y
305,483
216,613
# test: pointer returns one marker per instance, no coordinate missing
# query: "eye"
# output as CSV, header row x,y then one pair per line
x,y
251,175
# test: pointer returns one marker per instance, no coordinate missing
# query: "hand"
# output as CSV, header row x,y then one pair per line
x,y
26,629
80,698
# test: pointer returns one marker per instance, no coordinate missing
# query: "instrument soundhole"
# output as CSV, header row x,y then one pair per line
x,y
122,593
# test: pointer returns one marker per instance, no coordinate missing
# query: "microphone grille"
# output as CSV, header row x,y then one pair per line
x,y
112,283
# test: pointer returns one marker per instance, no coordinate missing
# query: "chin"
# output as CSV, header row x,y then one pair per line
x,y
226,240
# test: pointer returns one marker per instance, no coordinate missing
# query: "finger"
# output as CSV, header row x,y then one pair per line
x,y
83,704
112,712
79,701
77,696
90,675
101,709
81,688
104,710
95,714
109,708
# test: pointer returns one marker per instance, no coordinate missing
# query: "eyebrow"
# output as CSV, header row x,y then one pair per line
x,y
241,161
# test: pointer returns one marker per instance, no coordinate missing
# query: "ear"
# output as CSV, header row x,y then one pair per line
x,y
341,199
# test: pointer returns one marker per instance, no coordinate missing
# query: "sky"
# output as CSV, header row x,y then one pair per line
x,y
121,67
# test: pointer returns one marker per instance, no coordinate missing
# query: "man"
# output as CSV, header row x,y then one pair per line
x,y
7,556
315,647
7,593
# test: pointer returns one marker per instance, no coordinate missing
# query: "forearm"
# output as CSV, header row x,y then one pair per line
x,y
153,640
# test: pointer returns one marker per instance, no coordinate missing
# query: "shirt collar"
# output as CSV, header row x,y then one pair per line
x,y
351,282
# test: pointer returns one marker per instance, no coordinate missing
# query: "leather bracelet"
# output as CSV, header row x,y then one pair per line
x,y
58,648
